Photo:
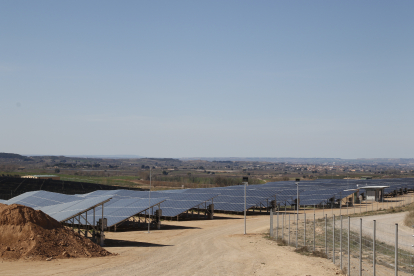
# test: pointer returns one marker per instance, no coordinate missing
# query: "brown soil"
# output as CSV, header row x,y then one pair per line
x,y
29,234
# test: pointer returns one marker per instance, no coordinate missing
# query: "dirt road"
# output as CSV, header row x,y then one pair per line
x,y
385,229
215,247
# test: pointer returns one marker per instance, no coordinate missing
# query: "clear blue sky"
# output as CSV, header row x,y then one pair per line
x,y
208,78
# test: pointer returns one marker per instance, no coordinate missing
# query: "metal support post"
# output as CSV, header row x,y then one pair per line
x,y
374,261
271,224
347,208
102,237
340,243
289,231
93,230
149,202
297,230
304,227
333,239
326,235
323,209
314,232
396,249
349,246
283,226
297,212
277,223
245,205
360,247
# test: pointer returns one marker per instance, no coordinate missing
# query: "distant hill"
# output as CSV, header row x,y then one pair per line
x,y
11,155
104,156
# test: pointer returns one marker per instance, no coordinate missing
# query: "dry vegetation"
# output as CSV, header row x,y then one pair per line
x,y
409,218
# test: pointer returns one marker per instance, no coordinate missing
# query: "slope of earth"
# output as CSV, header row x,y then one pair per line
x,y
26,233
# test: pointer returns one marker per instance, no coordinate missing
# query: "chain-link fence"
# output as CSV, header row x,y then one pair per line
x,y
358,245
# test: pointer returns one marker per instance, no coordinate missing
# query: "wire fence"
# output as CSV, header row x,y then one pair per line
x,y
358,245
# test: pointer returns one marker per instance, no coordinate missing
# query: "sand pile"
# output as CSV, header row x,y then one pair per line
x,y
29,234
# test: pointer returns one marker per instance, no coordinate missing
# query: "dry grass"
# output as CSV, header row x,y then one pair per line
x,y
409,218
281,242
319,254
304,250
381,211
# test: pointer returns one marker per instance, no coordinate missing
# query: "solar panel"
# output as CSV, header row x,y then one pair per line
x,y
173,203
177,203
66,211
37,199
117,211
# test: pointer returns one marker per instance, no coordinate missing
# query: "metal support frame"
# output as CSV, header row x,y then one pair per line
x,y
84,228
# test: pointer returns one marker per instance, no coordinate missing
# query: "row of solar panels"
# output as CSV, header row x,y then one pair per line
x,y
119,204
122,204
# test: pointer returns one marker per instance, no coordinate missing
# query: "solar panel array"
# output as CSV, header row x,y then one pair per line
x,y
124,204
173,203
13,186
118,210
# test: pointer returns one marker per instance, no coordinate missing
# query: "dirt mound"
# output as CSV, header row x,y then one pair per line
x,y
29,234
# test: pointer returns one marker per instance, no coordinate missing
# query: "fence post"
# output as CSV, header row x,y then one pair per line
x,y
289,231
349,246
304,221
326,236
283,226
373,247
277,223
271,224
396,249
314,231
297,226
333,239
360,247
340,243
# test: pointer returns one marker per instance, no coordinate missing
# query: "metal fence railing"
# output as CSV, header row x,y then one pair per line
x,y
357,245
